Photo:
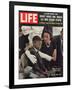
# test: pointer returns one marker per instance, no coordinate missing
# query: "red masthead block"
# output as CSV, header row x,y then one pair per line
x,y
28,18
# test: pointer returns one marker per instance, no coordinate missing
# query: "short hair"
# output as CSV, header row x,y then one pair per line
x,y
47,29
36,38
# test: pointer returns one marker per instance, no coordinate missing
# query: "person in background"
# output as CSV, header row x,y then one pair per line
x,y
59,43
23,41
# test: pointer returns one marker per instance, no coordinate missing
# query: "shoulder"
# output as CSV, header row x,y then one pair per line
x,y
31,49
53,43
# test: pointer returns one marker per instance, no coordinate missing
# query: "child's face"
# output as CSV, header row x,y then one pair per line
x,y
37,44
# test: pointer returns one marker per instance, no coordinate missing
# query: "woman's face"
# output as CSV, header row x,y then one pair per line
x,y
46,37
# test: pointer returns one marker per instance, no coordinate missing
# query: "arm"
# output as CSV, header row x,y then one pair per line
x,y
45,56
31,57
54,55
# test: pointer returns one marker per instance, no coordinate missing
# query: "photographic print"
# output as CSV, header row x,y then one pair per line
x,y
39,50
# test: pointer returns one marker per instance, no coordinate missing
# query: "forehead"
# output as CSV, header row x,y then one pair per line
x,y
39,41
46,33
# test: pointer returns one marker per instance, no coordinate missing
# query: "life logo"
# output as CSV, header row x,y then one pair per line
x,y
28,18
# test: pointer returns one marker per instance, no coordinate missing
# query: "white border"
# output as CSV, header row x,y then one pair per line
x,y
16,41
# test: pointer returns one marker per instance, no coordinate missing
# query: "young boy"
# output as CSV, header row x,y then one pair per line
x,y
35,56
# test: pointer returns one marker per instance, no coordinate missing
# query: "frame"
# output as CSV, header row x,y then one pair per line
x,y
15,23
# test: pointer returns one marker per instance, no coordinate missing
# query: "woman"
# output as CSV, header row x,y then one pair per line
x,y
48,46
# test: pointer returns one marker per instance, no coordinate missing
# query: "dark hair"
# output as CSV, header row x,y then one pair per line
x,y
36,38
47,29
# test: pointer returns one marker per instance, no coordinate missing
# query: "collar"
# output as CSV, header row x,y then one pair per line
x,y
36,49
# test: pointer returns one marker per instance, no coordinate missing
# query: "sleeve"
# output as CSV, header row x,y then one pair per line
x,y
31,57
45,56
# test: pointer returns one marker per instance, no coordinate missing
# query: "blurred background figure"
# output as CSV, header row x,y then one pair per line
x,y
23,41
59,43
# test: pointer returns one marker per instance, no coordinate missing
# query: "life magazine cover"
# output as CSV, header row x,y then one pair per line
x,y
40,44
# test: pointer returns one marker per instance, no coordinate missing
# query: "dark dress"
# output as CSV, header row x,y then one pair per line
x,y
49,50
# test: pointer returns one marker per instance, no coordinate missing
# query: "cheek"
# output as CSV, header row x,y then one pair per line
x,y
37,44
48,37
45,38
